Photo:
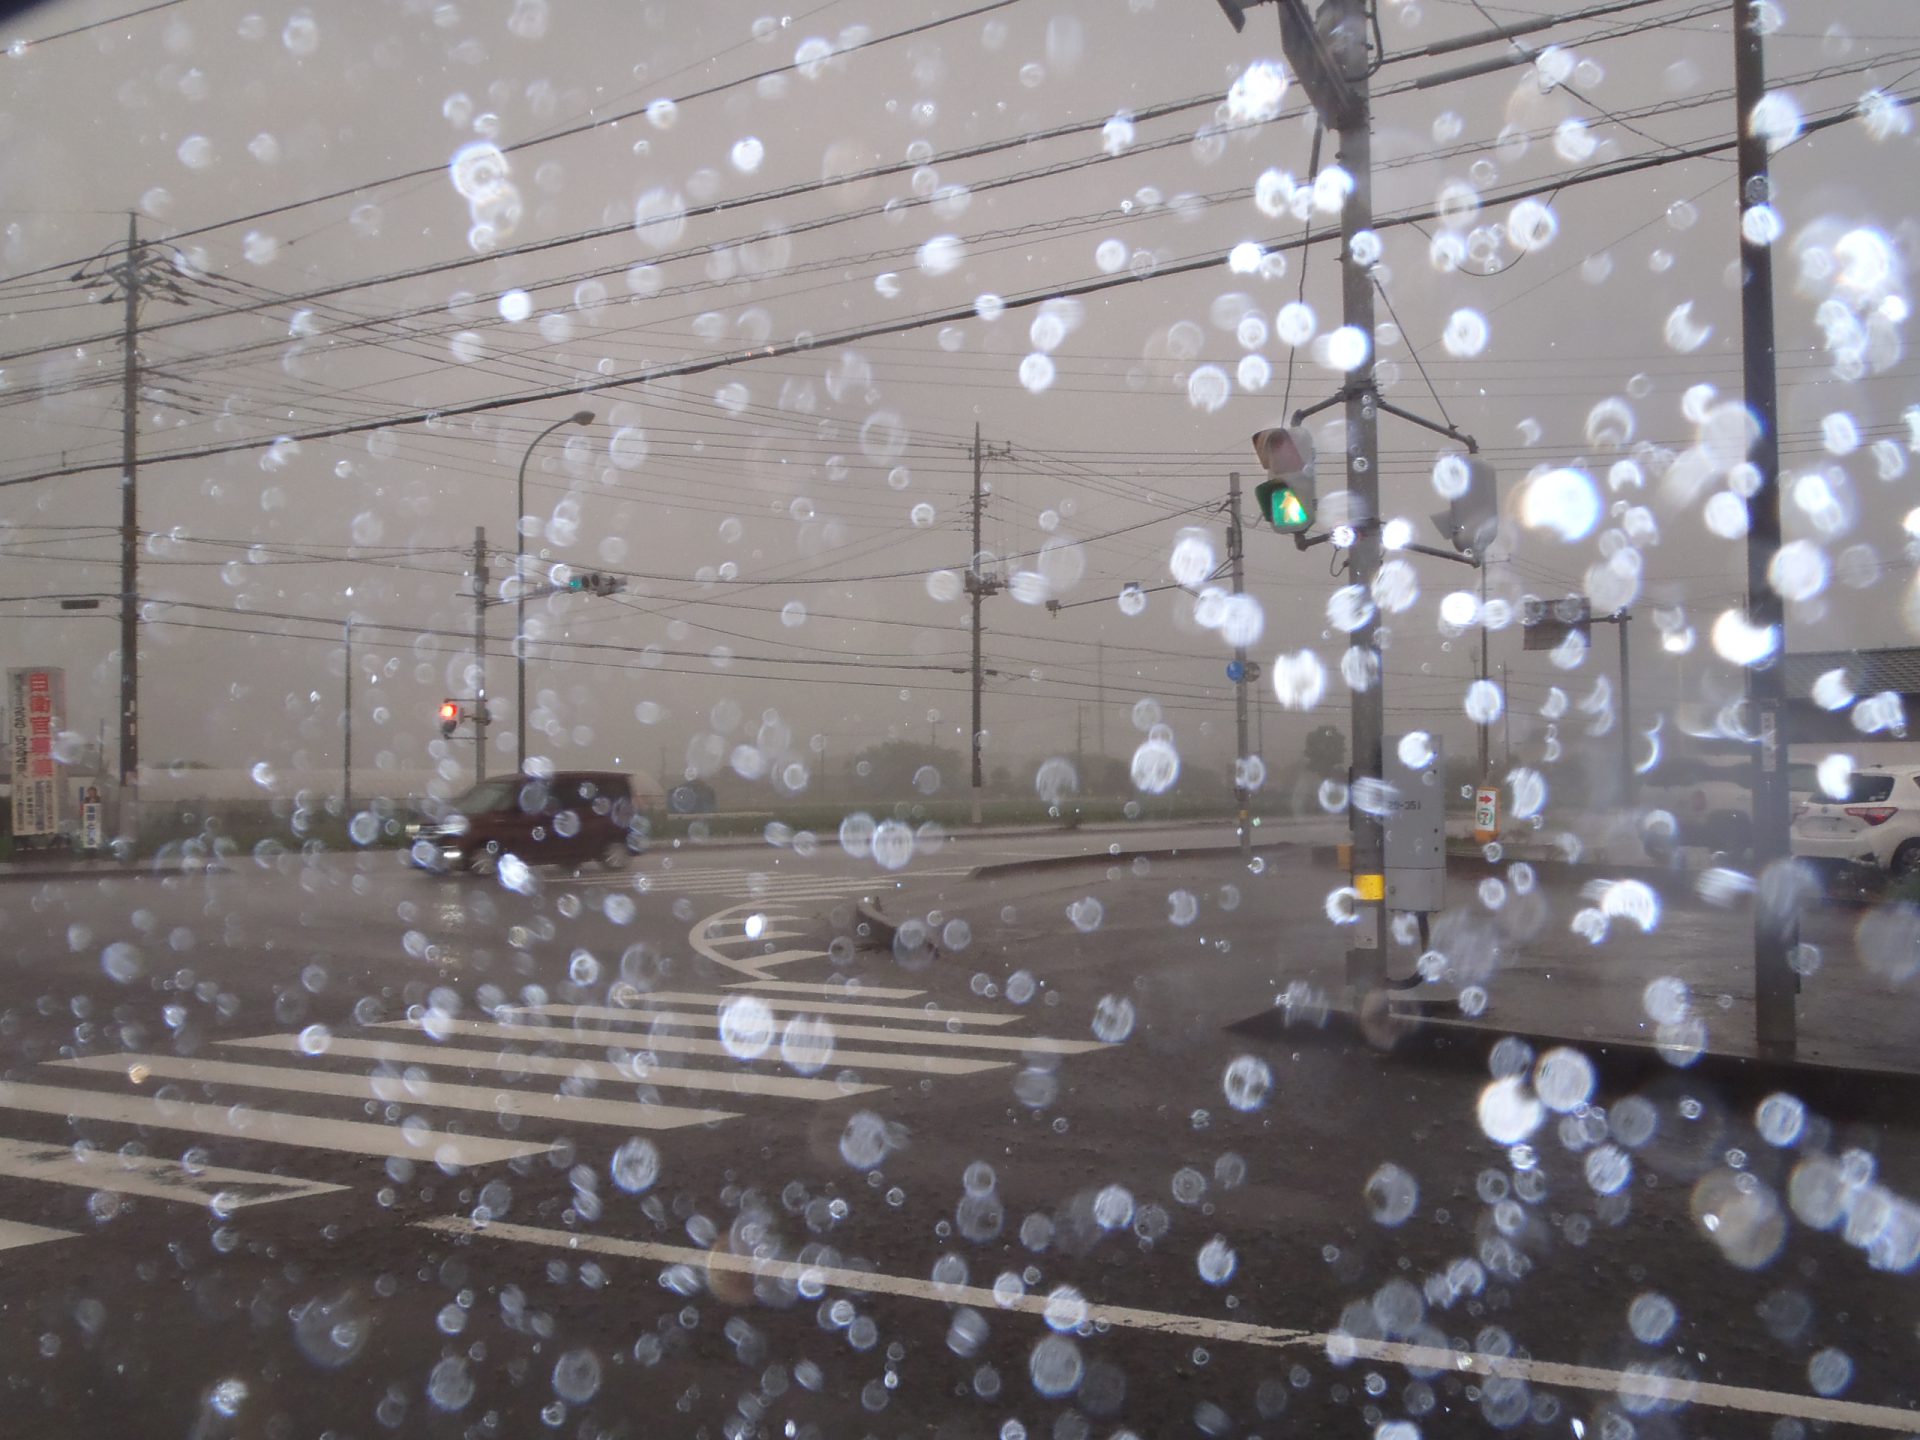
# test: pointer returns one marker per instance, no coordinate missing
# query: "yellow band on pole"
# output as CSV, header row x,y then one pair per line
x,y
1370,887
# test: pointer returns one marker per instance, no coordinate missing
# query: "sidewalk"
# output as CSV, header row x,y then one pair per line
x,y
79,867
1529,974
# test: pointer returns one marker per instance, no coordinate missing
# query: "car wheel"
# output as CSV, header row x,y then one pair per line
x,y
615,856
1906,860
483,861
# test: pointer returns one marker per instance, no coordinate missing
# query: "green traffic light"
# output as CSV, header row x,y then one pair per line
x,y
1283,506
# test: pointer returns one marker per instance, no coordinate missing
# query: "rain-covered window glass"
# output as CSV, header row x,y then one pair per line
x,y
989,719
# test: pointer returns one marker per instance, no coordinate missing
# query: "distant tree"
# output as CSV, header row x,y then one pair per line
x,y
892,768
1326,750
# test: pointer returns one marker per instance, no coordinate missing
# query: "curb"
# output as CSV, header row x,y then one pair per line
x,y
1443,1042
1100,857
106,872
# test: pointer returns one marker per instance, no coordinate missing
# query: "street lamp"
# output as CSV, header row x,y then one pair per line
x,y
579,417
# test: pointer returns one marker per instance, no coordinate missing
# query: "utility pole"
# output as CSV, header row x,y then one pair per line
x,y
1486,761
479,653
1506,721
979,586
1236,556
1331,59
346,726
1629,779
1775,923
130,534
1100,698
134,279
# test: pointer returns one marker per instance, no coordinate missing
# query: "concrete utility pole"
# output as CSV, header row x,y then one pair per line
x,y
1236,557
1629,780
130,535
479,654
979,586
1331,58
1366,958
137,277
1775,922
1486,734
346,725
1100,697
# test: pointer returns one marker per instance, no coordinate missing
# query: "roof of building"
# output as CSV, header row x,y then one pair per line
x,y
1868,672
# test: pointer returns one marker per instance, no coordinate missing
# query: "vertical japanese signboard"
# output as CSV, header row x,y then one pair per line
x,y
36,709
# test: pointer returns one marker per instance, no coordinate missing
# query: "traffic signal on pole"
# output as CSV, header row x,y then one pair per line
x,y
593,582
1287,496
449,716
1471,520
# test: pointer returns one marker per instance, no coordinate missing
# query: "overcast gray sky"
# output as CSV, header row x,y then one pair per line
x,y
804,507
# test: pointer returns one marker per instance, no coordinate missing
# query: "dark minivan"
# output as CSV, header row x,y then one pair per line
x,y
567,818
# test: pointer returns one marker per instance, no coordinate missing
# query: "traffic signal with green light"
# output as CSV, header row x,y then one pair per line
x,y
592,582
1286,497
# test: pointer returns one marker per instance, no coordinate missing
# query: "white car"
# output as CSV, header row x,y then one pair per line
x,y
1876,824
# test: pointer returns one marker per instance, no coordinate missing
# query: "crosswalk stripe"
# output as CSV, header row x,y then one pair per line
x,y
694,1045
150,1175
431,1094
774,957
740,1082
885,1034
14,1235
354,1137
852,989
821,1007
770,886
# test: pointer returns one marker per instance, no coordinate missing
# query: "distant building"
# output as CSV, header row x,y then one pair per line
x,y
1825,689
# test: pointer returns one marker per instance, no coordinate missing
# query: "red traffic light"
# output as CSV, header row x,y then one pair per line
x,y
449,716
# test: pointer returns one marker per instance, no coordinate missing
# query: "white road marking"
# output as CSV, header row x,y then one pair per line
x,y
821,1007
776,957
739,1082
884,1034
692,1045
13,1234
852,989
151,1175
1624,1383
392,1089
230,1122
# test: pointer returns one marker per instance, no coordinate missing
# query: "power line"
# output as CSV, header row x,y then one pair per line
x,y
29,45
603,122
1154,111
807,344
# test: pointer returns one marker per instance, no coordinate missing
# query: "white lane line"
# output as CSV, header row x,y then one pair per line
x,y
1624,1383
851,989
151,1175
884,1034
691,1045
13,1235
230,1122
819,1007
738,1082
393,1090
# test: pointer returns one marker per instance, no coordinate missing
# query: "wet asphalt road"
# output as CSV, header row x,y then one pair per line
x,y
1086,1174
